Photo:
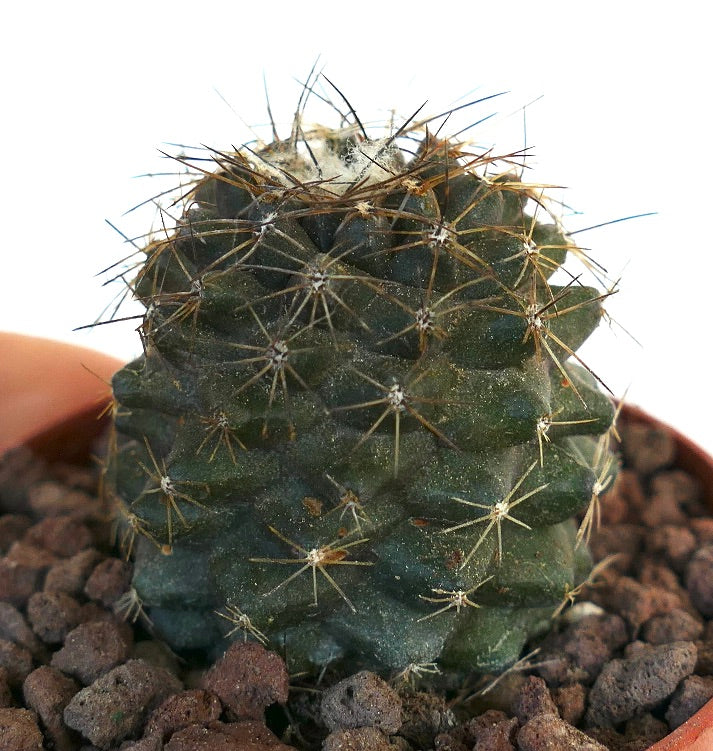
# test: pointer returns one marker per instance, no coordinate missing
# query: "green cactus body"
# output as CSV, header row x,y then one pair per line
x,y
354,431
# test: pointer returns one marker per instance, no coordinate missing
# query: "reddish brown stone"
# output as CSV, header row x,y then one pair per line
x,y
661,510
678,625
33,556
703,530
647,448
12,529
654,572
53,498
17,582
533,699
629,488
246,735
15,628
20,469
74,477
61,535
571,702
623,540
149,743
674,543
358,739
634,602
681,485
70,575
547,733
425,714
108,581
699,580
5,690
194,707
17,662
247,679
92,649
47,692
19,730
643,731
490,734
53,615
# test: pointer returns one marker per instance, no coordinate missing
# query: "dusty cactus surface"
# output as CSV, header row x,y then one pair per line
x,y
359,431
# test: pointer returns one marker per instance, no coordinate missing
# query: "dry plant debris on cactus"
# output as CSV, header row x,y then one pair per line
x,y
358,362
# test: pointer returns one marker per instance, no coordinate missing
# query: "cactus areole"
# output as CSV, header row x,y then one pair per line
x,y
359,432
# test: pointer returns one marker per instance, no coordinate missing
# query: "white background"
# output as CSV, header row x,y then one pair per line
x,y
618,97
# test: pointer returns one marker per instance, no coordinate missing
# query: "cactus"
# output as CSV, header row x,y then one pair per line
x,y
359,432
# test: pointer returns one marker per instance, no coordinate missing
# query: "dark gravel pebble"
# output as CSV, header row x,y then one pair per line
x,y
92,649
156,653
692,693
578,653
116,705
633,601
678,625
627,687
699,580
623,540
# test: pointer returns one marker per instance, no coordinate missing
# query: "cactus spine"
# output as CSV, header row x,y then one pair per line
x,y
359,430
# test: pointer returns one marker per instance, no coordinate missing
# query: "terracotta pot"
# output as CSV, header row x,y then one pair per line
x,y
51,396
